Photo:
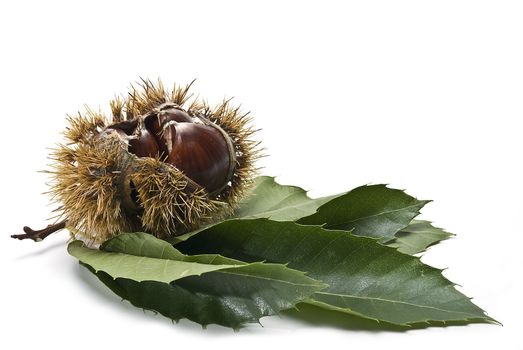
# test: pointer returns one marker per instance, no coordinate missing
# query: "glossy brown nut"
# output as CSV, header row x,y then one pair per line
x,y
176,115
200,152
156,122
144,145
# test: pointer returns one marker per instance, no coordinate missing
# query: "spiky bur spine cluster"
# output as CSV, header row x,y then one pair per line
x,y
103,188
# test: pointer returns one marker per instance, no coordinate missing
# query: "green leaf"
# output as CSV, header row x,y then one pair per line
x,y
138,268
206,289
365,278
146,245
417,237
272,200
372,211
269,199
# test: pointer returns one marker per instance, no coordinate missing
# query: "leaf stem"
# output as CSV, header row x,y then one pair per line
x,y
40,235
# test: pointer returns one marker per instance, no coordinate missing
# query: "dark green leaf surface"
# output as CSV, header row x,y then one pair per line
x,y
417,237
364,277
372,211
228,292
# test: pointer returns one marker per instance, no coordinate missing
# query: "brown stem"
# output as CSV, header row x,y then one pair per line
x,y
39,235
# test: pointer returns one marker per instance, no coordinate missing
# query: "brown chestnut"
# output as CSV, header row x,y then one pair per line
x,y
156,121
193,144
201,152
144,145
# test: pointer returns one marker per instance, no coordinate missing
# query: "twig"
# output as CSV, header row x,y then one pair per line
x,y
39,235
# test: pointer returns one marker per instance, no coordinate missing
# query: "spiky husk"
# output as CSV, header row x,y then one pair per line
x,y
93,173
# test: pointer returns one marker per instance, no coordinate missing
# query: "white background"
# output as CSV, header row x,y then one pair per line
x,y
422,95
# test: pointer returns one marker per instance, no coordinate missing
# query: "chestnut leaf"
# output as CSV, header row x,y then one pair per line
x,y
135,267
375,211
371,211
268,199
365,278
206,289
418,236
